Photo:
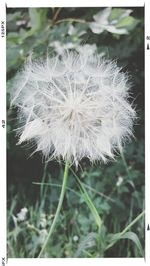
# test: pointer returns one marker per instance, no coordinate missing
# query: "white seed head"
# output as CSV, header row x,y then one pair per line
x,y
73,106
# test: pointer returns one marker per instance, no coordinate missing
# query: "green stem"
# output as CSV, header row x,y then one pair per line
x,y
43,180
71,20
88,201
58,208
57,185
133,222
85,185
125,163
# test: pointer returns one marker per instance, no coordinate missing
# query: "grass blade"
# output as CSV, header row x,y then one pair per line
x,y
132,236
89,202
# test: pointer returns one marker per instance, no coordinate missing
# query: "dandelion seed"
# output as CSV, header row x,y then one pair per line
x,y
73,106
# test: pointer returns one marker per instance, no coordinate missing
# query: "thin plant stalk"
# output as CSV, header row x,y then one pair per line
x,y
57,185
133,222
88,201
85,185
125,163
43,179
63,189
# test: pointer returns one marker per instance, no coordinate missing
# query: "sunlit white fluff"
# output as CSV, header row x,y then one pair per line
x,y
73,106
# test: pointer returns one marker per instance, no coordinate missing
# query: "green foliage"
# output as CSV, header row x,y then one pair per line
x,y
109,197
115,20
89,203
38,18
123,204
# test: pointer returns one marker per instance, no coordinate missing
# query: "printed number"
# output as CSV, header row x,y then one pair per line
x,y
2,29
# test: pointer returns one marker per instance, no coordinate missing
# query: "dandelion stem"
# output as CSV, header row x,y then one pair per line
x,y
58,207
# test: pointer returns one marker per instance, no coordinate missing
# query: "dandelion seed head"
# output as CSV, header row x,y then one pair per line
x,y
73,106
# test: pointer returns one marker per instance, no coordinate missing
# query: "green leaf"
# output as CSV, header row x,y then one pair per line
x,y
102,16
88,242
127,22
13,58
132,236
118,13
128,235
13,38
90,204
13,16
114,238
38,17
116,21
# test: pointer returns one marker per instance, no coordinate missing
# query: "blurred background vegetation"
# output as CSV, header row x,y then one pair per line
x,y
116,189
